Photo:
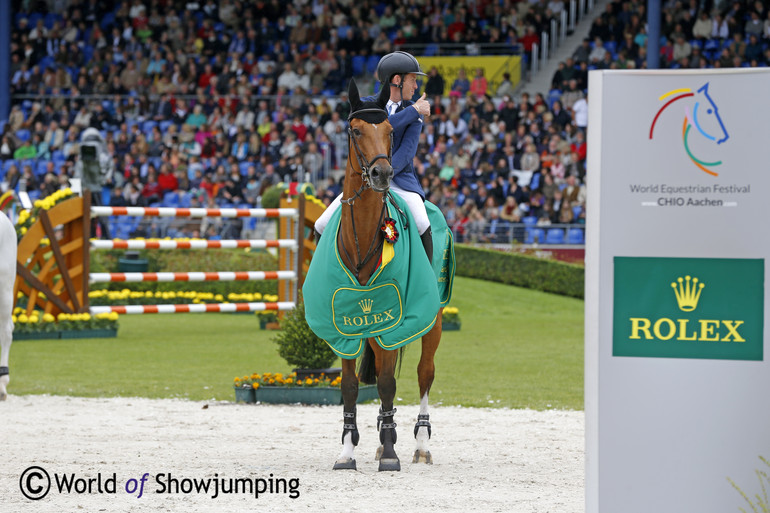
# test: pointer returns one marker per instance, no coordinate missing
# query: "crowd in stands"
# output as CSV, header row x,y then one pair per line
x,y
694,35
215,101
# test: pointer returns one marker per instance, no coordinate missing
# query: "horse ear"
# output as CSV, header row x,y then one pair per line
x,y
384,96
353,96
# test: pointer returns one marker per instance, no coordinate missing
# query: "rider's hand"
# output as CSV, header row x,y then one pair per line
x,y
422,106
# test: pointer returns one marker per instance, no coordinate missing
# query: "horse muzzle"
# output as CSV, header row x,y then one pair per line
x,y
380,176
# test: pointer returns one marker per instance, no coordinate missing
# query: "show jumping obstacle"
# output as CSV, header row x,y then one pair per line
x,y
56,276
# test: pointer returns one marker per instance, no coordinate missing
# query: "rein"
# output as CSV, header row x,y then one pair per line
x,y
364,165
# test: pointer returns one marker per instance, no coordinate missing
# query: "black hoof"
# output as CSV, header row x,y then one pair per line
x,y
389,465
349,464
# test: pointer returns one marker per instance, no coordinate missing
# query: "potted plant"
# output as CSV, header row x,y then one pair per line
x,y
299,346
245,388
450,319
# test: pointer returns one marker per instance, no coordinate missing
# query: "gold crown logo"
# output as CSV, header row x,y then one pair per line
x,y
687,292
366,305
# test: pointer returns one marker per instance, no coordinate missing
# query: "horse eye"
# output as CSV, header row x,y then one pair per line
x,y
356,132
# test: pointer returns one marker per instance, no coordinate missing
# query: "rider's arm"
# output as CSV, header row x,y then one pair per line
x,y
404,154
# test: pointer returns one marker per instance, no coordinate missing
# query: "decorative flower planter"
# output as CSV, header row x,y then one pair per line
x,y
55,335
37,335
310,395
269,325
95,333
450,325
244,395
330,373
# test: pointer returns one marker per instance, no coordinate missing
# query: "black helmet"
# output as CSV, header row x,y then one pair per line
x,y
397,63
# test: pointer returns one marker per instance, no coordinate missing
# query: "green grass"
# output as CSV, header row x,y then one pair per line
x,y
518,348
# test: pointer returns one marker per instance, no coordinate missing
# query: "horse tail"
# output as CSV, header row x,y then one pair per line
x,y
367,372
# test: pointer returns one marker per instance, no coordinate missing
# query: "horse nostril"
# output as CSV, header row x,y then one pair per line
x,y
375,172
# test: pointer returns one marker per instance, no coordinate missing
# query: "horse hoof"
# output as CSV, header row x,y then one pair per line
x,y
378,454
389,465
348,464
422,457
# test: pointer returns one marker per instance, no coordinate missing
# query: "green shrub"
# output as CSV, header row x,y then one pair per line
x,y
520,270
299,346
272,197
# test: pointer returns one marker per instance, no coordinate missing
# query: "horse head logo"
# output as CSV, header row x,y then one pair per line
x,y
703,114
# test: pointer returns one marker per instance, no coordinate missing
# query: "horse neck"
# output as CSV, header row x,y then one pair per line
x,y
366,209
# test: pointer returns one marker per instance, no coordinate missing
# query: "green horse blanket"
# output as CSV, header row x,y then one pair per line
x,y
399,303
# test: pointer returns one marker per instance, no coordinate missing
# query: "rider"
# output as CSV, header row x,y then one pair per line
x,y
399,71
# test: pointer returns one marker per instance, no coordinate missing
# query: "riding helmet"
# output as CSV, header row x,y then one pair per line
x,y
397,63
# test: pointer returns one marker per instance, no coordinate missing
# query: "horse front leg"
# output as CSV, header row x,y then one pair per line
x,y
426,371
6,335
386,387
346,459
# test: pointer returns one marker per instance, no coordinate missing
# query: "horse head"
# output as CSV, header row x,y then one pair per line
x,y
371,138
706,117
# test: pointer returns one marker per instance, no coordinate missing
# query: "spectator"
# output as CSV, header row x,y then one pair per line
x,y
479,85
461,84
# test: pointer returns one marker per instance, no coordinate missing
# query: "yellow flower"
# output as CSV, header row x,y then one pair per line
x,y
308,381
23,318
13,318
255,386
237,380
48,318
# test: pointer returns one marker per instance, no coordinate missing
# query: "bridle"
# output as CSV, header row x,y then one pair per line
x,y
365,165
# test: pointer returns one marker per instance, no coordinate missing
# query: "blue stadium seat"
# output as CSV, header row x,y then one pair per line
x,y
164,125
371,64
40,168
431,50
358,63
148,125
529,221
23,134
170,199
535,235
7,165
554,236
575,236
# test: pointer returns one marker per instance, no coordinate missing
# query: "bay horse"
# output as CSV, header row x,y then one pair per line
x,y
367,181
7,278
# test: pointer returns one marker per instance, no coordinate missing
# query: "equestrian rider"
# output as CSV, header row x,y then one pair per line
x,y
399,70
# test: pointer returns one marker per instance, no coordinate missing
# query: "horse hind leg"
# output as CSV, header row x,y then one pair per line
x,y
426,371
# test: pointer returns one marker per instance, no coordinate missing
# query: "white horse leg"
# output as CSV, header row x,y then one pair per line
x,y
422,434
7,277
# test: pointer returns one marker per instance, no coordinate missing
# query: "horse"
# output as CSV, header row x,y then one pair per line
x,y
360,242
704,116
7,278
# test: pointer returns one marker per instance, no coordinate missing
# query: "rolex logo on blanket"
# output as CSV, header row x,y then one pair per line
x,y
400,301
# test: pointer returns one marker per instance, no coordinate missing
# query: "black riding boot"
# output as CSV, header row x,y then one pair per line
x,y
427,243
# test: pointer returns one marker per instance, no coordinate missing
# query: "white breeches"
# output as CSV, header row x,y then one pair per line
x,y
413,201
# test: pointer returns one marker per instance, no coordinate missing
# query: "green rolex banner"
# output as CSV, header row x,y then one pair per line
x,y
399,303
689,308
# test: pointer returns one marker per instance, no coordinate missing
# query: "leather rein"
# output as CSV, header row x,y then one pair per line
x,y
364,165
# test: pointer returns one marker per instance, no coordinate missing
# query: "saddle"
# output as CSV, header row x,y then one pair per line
x,y
400,301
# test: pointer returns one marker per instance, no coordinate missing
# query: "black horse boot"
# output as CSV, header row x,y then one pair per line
x,y
427,243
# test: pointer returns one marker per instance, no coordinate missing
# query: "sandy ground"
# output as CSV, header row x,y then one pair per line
x,y
485,460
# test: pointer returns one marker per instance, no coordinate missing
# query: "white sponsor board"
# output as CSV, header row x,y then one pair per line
x,y
677,379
